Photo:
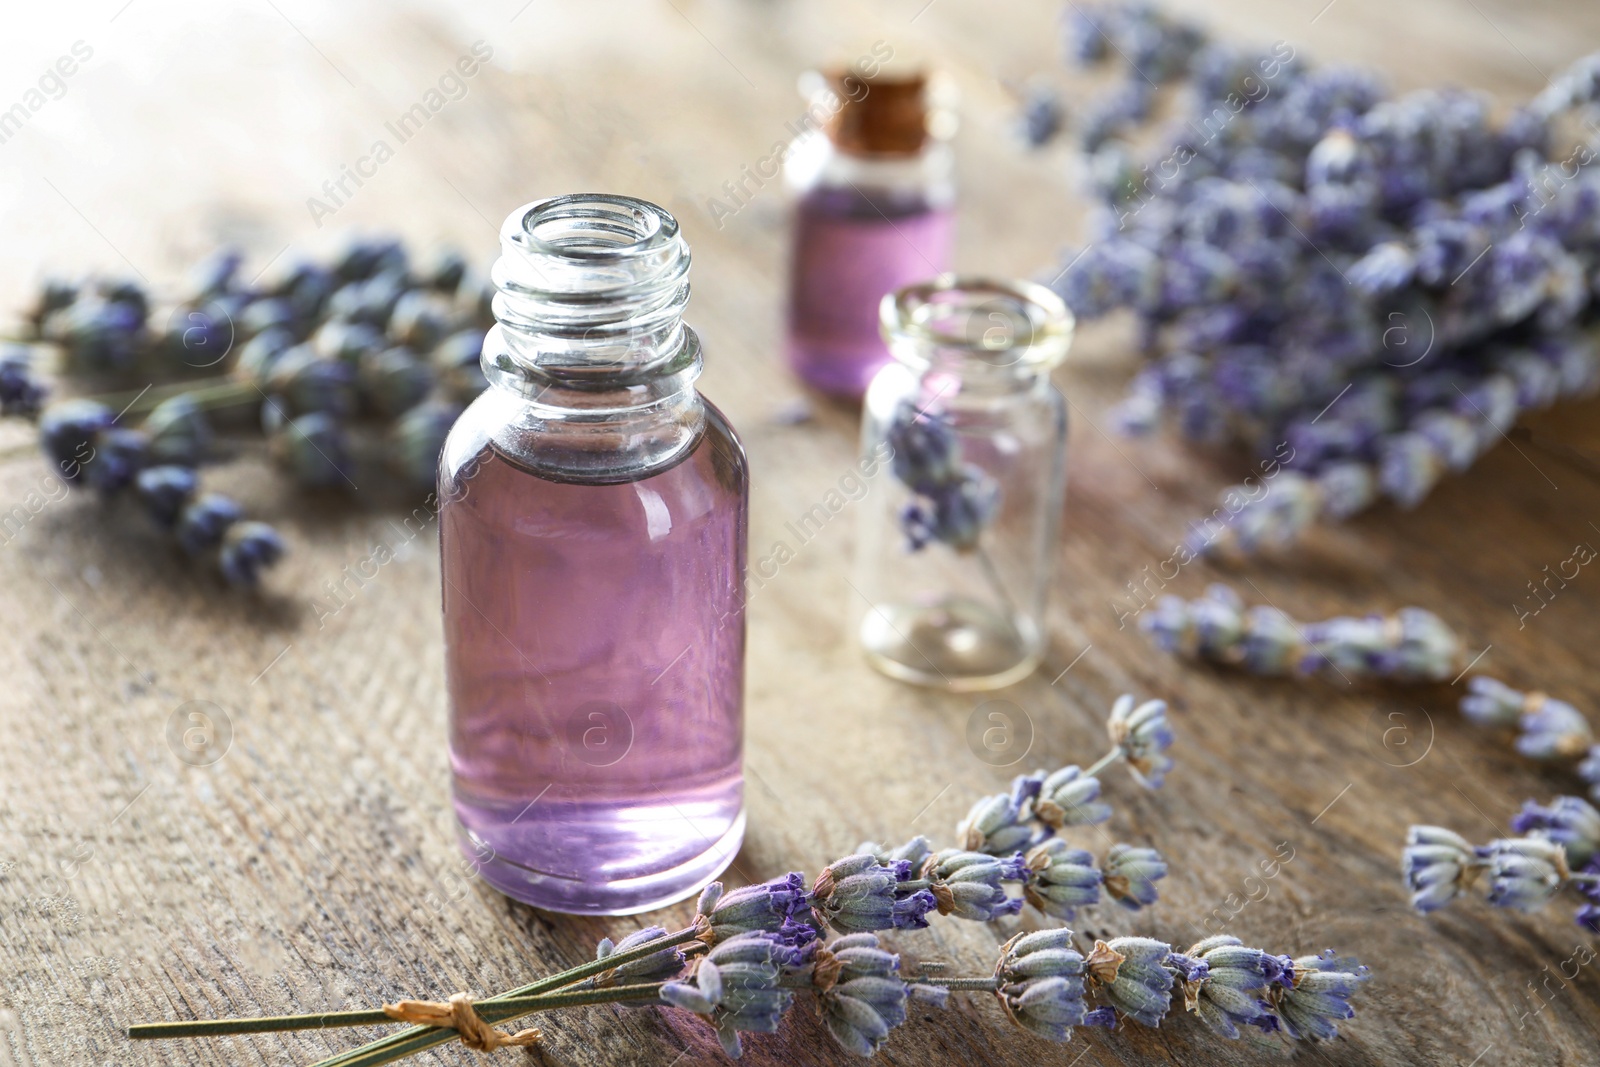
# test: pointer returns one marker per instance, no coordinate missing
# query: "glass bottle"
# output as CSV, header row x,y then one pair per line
x,y
873,211
593,541
954,559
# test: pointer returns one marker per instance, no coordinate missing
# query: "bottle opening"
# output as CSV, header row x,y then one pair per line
x,y
594,226
980,321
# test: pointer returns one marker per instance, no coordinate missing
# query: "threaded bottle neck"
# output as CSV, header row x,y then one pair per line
x,y
591,293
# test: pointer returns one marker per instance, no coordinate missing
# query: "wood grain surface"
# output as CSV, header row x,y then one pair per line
x,y
312,866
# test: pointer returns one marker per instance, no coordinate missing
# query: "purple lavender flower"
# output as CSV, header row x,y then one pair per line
x,y
119,455
954,501
736,987
859,894
1142,734
203,523
1231,992
1129,874
1131,974
21,393
179,431
1316,994
1061,879
248,548
1491,703
165,491
1589,770
1524,873
998,824
69,430
657,967
860,992
314,449
1042,116
1552,729
1042,983
971,885
777,906
1570,822
1438,866
1068,797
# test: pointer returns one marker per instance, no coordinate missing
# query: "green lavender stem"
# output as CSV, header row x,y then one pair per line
x,y
418,1038
1103,762
985,985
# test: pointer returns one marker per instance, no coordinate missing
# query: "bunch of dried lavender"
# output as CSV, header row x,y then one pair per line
x,y
749,950
1412,645
366,341
1558,846
1301,243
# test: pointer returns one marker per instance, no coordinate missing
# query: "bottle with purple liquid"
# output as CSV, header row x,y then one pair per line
x,y
873,212
593,541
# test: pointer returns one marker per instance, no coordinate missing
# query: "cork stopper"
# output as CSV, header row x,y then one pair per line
x,y
882,115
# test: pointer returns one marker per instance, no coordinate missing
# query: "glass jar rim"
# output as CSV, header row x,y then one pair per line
x,y
597,227
992,323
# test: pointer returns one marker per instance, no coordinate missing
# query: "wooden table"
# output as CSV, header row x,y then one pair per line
x,y
312,866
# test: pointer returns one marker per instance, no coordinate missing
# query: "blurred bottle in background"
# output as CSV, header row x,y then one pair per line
x,y
873,211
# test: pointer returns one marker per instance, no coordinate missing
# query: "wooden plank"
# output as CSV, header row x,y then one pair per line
x,y
312,867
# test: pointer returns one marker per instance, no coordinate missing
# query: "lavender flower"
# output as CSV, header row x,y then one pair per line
x,y
913,852
736,987
1068,797
1552,729
998,824
1491,703
1524,873
165,491
417,440
1589,770
1130,874
1041,983
21,392
314,449
1130,973
1141,733
1061,879
1230,994
393,380
1317,994
119,455
1438,866
656,967
248,548
69,430
1570,822
971,885
777,906
303,382
859,894
860,992
203,523
179,432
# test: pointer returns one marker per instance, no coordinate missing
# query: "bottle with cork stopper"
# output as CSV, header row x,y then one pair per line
x,y
873,211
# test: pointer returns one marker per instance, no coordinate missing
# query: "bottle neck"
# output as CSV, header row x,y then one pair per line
x,y
977,336
590,358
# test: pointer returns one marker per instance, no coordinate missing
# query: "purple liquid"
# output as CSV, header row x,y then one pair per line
x,y
850,249
594,640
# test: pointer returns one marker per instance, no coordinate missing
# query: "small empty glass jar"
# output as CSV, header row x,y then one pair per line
x,y
955,547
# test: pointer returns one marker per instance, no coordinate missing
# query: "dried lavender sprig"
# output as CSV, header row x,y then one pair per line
x,y
1411,645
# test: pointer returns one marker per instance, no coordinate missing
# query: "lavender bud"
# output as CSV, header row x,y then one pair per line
x,y
1524,873
307,382
913,852
21,392
1491,703
1318,995
1438,866
1143,735
1129,875
420,320
1061,879
165,492
202,524
1229,995
459,361
860,992
68,431
118,457
393,380
1068,797
995,825
179,432
656,967
314,449
1042,983
777,906
1571,822
1552,729
1272,643
858,893
970,885
248,548
417,440
1129,972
